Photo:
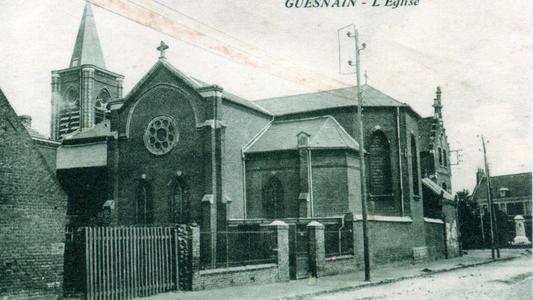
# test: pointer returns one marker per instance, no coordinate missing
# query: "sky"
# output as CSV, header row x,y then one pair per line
x,y
478,51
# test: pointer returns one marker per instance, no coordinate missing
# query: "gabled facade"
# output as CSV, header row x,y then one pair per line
x,y
33,213
435,162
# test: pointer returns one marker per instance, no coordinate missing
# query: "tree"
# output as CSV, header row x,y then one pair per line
x,y
469,221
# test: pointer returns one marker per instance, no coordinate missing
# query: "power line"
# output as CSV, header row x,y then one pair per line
x,y
247,44
207,49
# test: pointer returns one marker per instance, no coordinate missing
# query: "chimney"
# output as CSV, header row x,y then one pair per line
x,y
25,120
479,175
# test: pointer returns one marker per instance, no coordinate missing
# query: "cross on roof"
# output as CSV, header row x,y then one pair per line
x,y
162,48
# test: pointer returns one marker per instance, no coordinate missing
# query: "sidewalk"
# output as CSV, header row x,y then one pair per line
x,y
301,289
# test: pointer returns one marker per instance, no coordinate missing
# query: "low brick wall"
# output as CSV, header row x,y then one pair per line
x,y
226,277
242,275
341,264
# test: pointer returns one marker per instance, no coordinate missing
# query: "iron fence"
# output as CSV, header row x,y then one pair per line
x,y
239,246
338,239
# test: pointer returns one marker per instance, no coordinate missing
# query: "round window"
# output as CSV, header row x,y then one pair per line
x,y
161,135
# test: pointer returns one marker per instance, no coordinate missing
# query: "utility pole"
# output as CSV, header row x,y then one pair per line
x,y
361,142
489,199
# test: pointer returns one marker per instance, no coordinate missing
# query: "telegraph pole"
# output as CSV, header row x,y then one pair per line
x,y
361,142
489,199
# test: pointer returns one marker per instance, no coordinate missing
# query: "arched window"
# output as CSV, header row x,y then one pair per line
x,y
101,106
179,203
414,165
440,156
143,203
273,203
444,158
379,165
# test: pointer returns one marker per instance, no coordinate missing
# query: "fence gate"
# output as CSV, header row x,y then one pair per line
x,y
298,251
129,262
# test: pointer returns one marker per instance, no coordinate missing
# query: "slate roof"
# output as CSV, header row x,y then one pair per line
x,y
519,185
324,133
34,133
99,131
87,48
436,189
194,84
343,97
232,97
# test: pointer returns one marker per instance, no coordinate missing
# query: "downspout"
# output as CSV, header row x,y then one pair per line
x,y
340,236
310,182
116,157
214,185
243,170
243,165
400,158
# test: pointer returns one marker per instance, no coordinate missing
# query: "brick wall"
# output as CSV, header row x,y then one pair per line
x,y
219,278
260,168
242,124
33,208
331,197
342,264
173,98
435,240
388,241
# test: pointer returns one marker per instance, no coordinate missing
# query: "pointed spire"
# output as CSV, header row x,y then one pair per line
x,y
437,105
87,49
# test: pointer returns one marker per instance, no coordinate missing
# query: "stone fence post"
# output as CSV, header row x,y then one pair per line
x,y
281,230
317,251
195,257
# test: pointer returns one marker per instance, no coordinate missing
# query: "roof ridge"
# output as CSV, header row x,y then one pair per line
x,y
308,93
302,119
344,134
255,138
513,174
321,127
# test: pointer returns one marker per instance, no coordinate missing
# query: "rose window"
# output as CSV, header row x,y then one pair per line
x,y
161,135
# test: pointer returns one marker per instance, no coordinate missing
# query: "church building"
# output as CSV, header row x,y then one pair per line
x,y
178,150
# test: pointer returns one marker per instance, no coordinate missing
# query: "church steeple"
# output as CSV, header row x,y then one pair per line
x,y
87,50
437,105
81,94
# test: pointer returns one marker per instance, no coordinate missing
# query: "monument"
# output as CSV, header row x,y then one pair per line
x,y
520,238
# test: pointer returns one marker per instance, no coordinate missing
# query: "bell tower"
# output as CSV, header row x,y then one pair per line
x,y
82,92
437,104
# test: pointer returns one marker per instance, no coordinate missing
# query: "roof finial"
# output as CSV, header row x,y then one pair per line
x,y
437,105
162,48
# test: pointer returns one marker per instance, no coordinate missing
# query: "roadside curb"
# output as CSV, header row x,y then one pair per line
x,y
391,280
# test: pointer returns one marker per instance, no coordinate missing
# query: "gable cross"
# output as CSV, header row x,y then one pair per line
x,y
162,48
